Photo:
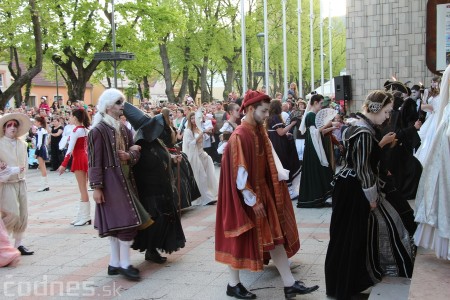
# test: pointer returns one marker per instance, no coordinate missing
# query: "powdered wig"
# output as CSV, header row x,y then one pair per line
x,y
107,99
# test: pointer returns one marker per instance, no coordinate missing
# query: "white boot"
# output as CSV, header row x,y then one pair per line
x,y
78,217
44,185
85,214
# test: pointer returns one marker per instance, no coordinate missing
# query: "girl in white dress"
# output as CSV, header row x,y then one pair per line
x,y
428,128
201,163
229,126
432,199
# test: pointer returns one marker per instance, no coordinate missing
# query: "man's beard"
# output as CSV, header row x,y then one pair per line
x,y
258,119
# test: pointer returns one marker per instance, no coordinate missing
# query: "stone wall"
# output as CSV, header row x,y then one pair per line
x,y
385,38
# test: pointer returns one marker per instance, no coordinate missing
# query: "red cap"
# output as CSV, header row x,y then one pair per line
x,y
252,97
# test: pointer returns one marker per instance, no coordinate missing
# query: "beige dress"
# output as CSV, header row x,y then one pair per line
x,y
13,192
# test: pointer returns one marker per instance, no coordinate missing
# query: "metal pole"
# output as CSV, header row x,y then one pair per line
x,y
311,42
244,50
266,50
321,49
260,37
57,87
113,31
330,60
285,81
300,69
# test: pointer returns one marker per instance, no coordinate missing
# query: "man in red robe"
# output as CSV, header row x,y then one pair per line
x,y
255,218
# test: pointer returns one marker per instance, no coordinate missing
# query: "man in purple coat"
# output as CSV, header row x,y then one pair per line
x,y
118,214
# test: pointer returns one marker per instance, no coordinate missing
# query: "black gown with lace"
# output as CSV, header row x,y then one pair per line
x,y
365,244
188,189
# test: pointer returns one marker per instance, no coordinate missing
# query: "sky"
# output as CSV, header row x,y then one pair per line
x,y
338,7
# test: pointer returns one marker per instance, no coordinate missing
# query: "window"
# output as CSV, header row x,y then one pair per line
x,y
32,101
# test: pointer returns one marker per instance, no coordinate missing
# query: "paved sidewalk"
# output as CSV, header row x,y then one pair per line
x,y
70,262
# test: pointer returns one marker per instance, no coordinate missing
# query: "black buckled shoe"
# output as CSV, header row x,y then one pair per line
x,y
298,288
154,256
24,251
130,273
239,292
113,270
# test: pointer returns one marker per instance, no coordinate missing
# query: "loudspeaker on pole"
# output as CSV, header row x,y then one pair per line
x,y
342,87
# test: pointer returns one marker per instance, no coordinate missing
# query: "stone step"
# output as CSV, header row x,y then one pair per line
x,y
392,288
431,277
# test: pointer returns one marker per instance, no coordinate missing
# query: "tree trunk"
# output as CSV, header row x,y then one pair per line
x,y
238,84
194,85
203,80
27,93
280,78
229,78
141,95
31,73
146,87
274,80
184,79
167,72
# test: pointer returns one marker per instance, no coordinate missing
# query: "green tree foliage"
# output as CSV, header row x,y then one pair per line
x,y
183,42
20,36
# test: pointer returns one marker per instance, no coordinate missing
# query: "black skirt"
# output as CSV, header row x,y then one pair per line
x,y
364,244
166,233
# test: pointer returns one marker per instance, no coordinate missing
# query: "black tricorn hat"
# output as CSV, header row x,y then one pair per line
x,y
395,86
147,128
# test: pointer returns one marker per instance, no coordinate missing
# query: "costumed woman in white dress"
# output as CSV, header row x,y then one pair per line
x,y
201,163
428,128
432,199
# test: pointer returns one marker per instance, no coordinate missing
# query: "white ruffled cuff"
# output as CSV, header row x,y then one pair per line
x,y
371,193
249,197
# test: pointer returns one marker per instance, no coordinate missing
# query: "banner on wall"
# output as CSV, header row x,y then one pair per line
x,y
442,36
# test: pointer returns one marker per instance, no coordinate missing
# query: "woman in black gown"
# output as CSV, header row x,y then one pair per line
x,y
368,239
156,187
186,184
283,143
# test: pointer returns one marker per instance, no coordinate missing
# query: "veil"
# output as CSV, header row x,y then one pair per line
x,y
444,94
302,124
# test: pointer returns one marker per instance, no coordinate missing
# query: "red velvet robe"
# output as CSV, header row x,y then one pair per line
x,y
242,240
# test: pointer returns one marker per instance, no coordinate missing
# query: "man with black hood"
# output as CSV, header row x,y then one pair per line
x,y
156,187
399,160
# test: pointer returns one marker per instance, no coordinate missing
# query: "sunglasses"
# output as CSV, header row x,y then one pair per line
x,y
12,124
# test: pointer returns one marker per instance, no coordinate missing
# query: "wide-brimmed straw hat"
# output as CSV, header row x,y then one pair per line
x,y
22,119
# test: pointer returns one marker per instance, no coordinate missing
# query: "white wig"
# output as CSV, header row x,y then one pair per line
x,y
106,100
